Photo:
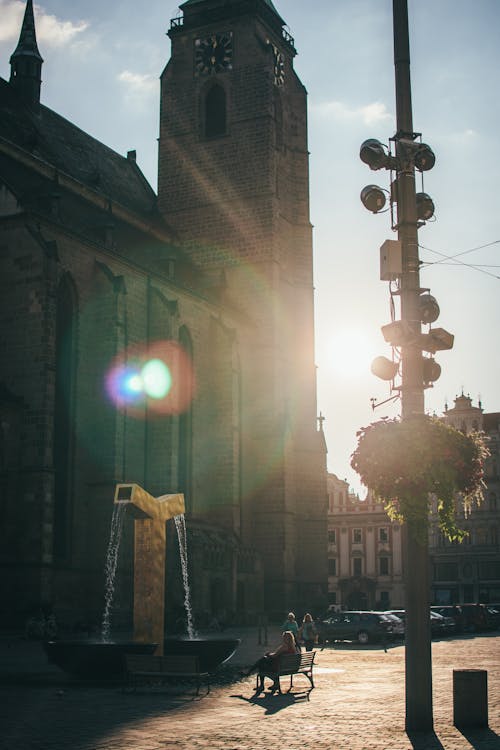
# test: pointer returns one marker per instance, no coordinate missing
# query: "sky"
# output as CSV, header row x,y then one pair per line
x,y
101,71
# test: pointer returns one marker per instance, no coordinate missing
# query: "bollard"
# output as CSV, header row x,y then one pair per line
x,y
470,698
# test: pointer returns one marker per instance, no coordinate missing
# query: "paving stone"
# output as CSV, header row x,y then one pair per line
x,y
358,704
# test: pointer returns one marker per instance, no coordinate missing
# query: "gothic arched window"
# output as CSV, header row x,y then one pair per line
x,y
185,453
215,111
63,415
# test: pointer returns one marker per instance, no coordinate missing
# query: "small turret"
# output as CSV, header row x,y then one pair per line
x,y
26,61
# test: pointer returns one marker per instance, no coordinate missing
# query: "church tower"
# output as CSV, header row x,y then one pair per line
x,y
26,61
233,184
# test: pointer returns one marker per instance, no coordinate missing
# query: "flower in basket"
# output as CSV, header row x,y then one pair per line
x,y
407,462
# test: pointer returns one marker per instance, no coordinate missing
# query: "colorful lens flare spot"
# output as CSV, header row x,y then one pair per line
x,y
158,376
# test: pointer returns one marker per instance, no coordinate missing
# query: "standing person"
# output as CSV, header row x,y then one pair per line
x,y
291,624
271,658
308,632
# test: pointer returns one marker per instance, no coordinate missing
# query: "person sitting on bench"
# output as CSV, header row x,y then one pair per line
x,y
270,661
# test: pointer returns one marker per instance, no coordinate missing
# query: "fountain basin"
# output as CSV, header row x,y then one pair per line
x,y
94,659
211,652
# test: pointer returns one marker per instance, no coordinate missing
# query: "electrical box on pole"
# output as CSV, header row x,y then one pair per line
x,y
391,260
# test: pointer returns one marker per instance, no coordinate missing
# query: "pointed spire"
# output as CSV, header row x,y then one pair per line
x,y
26,61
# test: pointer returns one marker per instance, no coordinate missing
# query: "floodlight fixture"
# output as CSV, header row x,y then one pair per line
x,y
428,308
372,152
436,340
424,157
384,368
431,371
425,206
399,333
373,198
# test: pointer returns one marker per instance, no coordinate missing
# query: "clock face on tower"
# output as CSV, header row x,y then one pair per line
x,y
279,66
213,54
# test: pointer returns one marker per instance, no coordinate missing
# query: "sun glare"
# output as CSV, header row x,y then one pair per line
x,y
349,353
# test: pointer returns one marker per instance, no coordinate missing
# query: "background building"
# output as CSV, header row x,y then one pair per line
x,y
212,277
364,546
470,571
365,563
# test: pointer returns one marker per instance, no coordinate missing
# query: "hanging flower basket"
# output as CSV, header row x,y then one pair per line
x,y
407,462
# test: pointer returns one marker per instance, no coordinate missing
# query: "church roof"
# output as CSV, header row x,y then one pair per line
x,y
57,142
195,2
191,4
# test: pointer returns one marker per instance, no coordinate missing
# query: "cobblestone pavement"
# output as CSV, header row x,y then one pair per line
x,y
357,704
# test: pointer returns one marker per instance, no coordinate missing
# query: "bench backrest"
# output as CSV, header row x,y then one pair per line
x,y
185,664
293,662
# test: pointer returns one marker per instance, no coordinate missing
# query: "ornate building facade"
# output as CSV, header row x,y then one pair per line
x,y
365,556
470,571
212,278
365,561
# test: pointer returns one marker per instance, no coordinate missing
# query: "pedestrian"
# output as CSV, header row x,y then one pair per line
x,y
308,632
290,624
271,659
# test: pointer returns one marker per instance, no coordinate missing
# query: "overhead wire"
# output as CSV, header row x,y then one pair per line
x,y
475,266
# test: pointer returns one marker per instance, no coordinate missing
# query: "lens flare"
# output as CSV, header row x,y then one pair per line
x,y
152,379
156,378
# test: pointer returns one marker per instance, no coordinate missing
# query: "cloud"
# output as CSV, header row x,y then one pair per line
x,y
139,87
369,114
465,136
50,30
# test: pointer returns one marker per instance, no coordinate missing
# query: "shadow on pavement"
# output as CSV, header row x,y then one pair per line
x,y
482,739
425,741
274,702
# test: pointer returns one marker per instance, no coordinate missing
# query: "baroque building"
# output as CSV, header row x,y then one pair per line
x,y
470,571
365,556
365,560
211,280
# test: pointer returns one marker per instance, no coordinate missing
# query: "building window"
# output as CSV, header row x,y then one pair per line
x,y
489,570
215,112
65,366
446,572
493,501
332,597
383,534
357,536
332,536
356,566
383,566
332,566
185,453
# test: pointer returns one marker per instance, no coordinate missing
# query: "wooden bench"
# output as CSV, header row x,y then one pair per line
x,y
291,664
149,668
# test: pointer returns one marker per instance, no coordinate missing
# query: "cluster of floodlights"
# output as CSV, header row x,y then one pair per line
x,y
400,333
410,154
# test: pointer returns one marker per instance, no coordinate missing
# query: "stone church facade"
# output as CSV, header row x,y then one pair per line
x,y
211,277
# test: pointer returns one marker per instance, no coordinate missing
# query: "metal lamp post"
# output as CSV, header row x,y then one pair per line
x,y
400,261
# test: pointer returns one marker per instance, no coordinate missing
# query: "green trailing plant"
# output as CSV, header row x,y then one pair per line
x,y
408,462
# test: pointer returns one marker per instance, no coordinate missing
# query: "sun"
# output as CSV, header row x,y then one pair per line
x,y
348,353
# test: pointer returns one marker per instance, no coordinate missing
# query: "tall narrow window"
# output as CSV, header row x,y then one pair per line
x,y
215,112
184,467
63,416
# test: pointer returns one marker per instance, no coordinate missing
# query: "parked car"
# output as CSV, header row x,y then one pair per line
x,y
440,626
360,626
398,625
470,618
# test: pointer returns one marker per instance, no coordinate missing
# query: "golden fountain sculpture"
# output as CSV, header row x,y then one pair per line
x,y
150,515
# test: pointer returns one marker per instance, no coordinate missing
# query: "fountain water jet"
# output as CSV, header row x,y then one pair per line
x,y
105,658
110,569
180,525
